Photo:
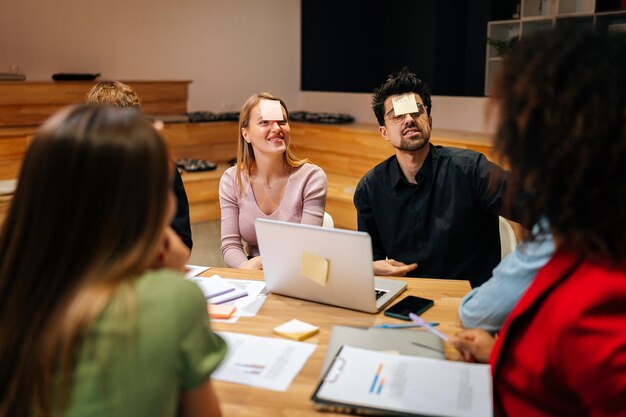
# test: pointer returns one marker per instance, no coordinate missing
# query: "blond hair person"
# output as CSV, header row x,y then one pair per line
x,y
267,182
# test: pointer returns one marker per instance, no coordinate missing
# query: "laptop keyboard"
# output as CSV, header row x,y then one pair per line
x,y
379,293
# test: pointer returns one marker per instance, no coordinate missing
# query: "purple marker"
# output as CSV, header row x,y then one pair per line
x,y
417,319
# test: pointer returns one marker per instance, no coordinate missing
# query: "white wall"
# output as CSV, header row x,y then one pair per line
x,y
229,48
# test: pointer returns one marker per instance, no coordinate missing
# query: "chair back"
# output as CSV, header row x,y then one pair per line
x,y
328,221
508,241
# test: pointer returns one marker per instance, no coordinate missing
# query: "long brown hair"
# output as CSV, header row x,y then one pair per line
x,y
87,215
245,152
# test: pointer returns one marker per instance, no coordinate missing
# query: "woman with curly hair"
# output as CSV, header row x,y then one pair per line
x,y
562,109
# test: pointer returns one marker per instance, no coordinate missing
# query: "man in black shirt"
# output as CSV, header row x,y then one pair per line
x,y
431,210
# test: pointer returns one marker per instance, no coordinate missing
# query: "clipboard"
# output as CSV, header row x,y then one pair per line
x,y
402,341
322,404
364,381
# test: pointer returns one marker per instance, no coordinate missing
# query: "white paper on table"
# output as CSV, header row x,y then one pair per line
x,y
249,305
193,270
262,362
213,287
408,384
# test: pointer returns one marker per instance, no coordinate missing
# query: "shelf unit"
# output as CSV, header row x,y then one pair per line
x,y
533,16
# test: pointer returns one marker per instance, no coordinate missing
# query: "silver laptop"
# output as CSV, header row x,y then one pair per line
x,y
350,281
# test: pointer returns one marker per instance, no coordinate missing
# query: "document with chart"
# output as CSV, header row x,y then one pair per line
x,y
373,381
262,362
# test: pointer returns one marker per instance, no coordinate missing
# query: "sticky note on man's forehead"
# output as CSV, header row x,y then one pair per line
x,y
404,104
271,110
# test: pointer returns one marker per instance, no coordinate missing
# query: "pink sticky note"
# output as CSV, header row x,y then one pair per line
x,y
271,110
220,311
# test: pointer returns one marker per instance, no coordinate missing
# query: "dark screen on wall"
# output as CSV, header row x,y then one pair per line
x,y
351,46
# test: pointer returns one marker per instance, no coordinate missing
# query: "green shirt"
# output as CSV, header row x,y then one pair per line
x,y
137,362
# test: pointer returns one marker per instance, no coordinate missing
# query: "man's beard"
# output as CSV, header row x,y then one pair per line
x,y
412,145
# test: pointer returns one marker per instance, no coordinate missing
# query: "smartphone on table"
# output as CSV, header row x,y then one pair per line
x,y
409,304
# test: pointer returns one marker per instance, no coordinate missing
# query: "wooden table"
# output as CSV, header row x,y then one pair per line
x,y
243,401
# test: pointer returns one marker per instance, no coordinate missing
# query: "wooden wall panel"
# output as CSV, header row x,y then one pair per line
x,y
203,194
13,143
216,141
344,152
29,103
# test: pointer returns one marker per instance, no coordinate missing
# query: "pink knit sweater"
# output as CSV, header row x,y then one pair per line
x,y
303,202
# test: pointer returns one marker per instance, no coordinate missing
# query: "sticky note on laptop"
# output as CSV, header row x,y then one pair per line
x,y
404,104
296,329
314,267
271,110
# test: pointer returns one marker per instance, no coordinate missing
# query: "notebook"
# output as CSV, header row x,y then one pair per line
x,y
330,266
402,341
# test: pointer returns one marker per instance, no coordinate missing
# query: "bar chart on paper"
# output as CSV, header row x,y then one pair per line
x,y
262,362
377,383
372,380
250,368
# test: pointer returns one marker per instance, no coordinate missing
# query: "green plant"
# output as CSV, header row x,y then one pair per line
x,y
502,47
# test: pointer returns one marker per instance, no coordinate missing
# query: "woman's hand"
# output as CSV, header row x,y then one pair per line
x,y
475,345
174,253
254,263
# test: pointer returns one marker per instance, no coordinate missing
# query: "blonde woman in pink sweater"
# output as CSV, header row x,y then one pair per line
x,y
267,182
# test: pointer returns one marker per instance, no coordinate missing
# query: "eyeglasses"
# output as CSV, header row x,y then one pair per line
x,y
391,115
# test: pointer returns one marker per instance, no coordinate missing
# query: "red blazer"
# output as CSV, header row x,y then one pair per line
x,y
562,352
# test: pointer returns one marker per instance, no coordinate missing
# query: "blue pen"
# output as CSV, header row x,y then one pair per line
x,y
403,325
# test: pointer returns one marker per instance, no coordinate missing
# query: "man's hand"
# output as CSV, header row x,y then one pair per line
x,y
475,345
254,263
391,267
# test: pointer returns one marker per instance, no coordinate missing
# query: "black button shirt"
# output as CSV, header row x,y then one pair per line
x,y
447,222
181,224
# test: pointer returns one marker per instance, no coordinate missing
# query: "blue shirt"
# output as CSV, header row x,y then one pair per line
x,y
488,306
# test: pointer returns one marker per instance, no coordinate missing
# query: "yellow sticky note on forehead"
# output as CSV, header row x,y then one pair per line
x,y
314,267
271,110
404,104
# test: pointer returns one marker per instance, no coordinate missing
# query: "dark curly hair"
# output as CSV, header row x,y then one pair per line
x,y
562,128
401,82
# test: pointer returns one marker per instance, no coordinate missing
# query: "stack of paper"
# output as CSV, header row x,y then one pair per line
x,y
247,296
217,290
